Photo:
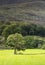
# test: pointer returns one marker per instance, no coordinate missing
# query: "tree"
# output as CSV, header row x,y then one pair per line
x,y
2,26
11,29
43,46
16,41
33,42
2,40
29,42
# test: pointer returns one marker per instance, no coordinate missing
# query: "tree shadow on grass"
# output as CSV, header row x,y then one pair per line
x,y
30,54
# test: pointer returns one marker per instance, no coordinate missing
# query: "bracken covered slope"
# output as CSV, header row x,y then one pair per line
x,y
27,11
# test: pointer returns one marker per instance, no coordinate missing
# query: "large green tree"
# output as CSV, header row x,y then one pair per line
x,y
16,40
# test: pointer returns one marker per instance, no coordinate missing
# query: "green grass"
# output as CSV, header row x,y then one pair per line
x,y
29,57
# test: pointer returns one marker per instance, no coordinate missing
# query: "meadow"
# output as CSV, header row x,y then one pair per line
x,y
29,57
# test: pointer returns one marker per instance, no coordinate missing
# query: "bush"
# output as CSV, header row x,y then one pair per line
x,y
43,47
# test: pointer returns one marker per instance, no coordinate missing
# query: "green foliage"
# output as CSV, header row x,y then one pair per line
x,y
2,28
10,29
22,28
16,41
27,30
2,40
43,46
32,42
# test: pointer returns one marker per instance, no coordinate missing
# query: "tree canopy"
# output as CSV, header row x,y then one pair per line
x,y
16,40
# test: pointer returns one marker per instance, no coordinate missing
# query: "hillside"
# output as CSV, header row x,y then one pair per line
x,y
3,2
28,11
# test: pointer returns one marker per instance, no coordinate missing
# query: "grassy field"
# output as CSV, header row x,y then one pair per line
x,y
29,57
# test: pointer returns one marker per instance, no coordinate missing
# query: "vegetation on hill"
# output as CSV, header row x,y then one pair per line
x,y
34,35
3,2
26,12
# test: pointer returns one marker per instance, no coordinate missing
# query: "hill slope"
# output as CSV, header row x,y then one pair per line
x,y
28,12
3,2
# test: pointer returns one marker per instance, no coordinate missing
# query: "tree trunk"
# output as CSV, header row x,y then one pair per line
x,y
15,51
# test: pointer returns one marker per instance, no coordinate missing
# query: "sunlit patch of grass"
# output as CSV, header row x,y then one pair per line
x,y
8,58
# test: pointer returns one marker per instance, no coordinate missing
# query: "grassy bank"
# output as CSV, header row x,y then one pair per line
x,y
29,57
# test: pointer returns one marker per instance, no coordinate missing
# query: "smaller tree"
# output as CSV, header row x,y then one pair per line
x,y
17,41
43,46
2,40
